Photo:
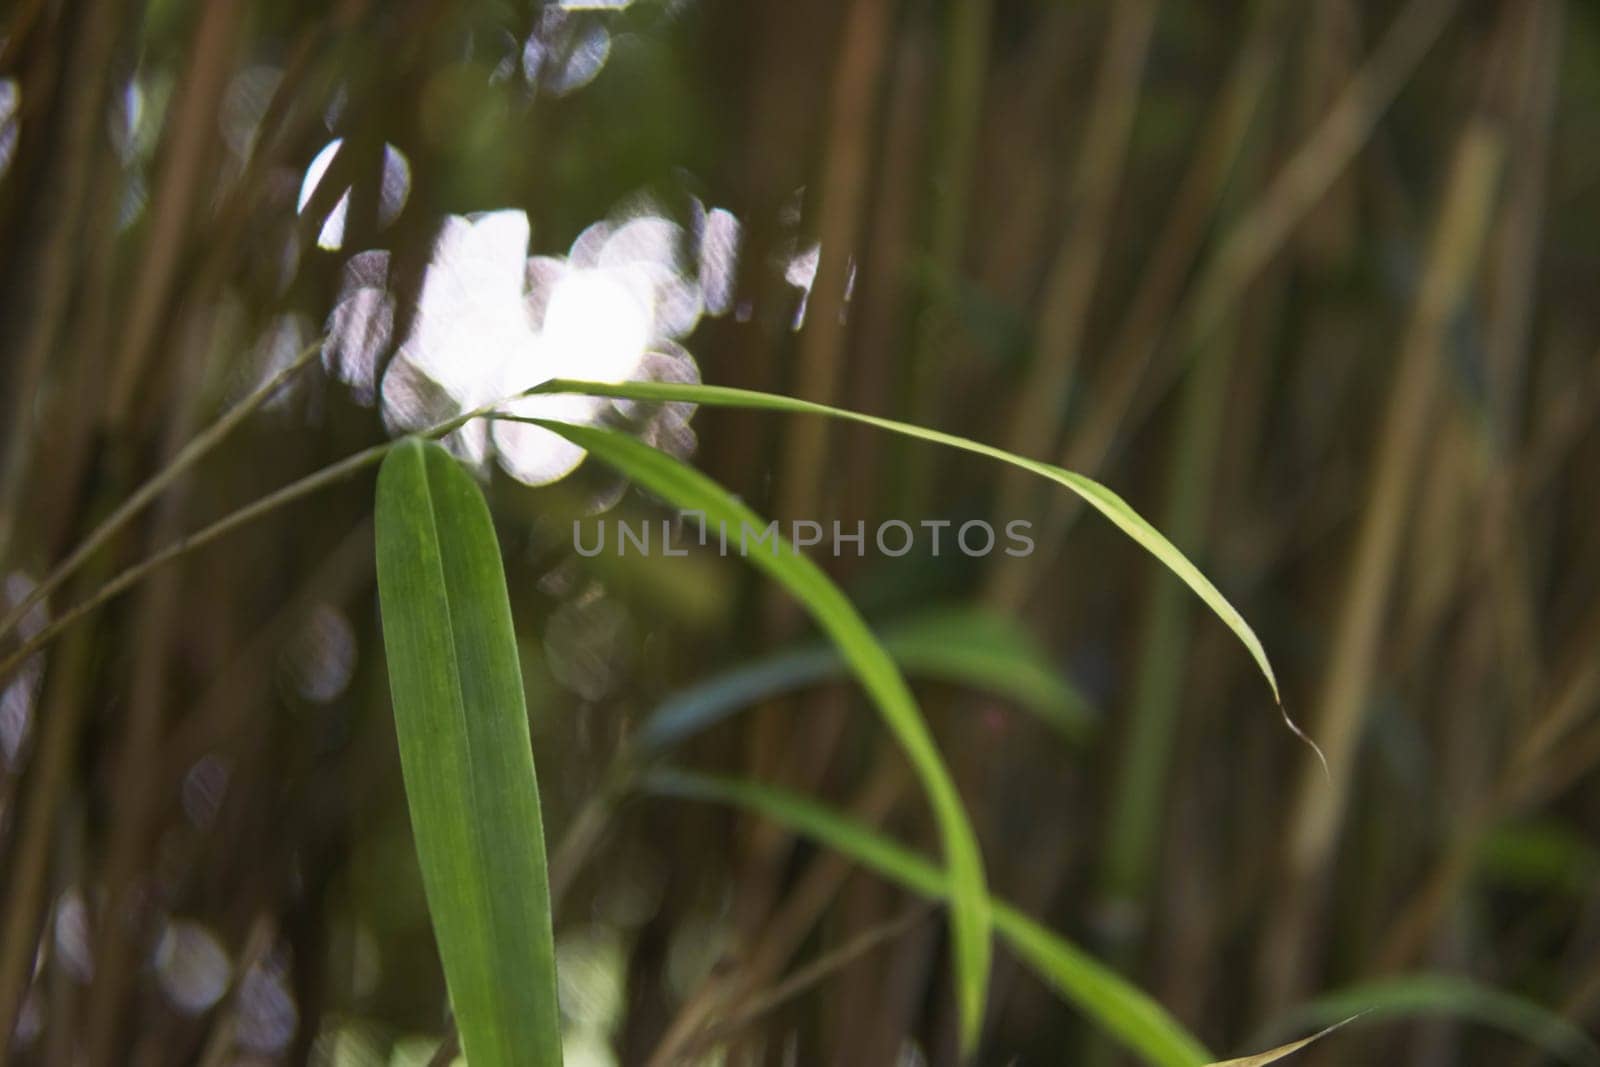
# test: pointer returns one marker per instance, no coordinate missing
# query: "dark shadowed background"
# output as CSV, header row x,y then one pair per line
x,y
1312,284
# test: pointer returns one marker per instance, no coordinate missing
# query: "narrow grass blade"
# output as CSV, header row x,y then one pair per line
x,y
1413,995
1096,495
1261,1059
1122,1011
688,489
466,756
963,646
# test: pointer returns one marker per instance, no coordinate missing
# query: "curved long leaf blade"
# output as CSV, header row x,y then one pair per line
x,y
964,646
1093,493
1447,995
688,489
1123,1011
466,756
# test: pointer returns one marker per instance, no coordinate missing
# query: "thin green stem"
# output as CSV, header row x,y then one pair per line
x,y
132,575
190,454
184,545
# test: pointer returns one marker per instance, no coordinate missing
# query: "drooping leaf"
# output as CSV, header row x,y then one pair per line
x,y
964,646
466,756
689,490
1093,493
1107,999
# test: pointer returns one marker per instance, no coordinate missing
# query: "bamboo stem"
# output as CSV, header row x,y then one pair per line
x,y
1074,275
1250,244
1451,264
967,30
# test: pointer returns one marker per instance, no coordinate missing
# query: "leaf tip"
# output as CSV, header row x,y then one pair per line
x,y
1327,773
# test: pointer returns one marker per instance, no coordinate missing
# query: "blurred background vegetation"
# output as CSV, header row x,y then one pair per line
x,y
1311,284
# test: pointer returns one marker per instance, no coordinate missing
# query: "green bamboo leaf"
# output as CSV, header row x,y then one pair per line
x,y
1096,495
688,489
1539,856
1122,1011
466,755
960,645
985,650
1413,995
